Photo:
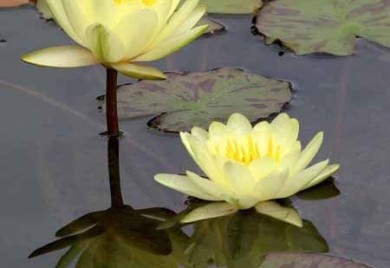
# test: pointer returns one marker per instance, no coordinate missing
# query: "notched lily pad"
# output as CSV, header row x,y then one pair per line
x,y
232,6
197,99
327,26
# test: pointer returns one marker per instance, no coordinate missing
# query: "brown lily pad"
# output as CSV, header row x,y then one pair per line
x,y
196,99
327,26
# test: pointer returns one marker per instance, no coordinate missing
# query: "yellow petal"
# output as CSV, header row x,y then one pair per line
x,y
325,174
104,44
211,165
186,139
175,22
185,185
286,129
174,5
76,17
136,31
191,21
262,132
209,211
291,158
58,11
239,124
308,153
242,182
218,131
199,133
207,185
279,212
139,71
299,181
262,167
108,12
171,45
61,56
268,188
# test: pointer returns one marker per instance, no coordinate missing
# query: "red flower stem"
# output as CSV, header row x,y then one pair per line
x,y
111,103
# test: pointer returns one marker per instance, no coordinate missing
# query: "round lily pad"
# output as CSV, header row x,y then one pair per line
x,y
198,98
232,6
326,26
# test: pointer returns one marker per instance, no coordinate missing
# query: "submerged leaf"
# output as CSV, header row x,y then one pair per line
x,y
197,99
327,26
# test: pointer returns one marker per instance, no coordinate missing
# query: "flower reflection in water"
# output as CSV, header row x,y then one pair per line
x,y
153,237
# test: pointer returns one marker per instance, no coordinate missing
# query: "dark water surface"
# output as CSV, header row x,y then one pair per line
x,y
53,162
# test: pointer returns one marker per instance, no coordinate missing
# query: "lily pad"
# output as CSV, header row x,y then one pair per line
x,y
232,6
327,26
197,99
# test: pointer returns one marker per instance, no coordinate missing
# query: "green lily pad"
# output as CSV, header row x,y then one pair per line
x,y
327,26
197,99
232,6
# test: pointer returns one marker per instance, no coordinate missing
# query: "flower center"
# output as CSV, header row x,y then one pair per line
x,y
246,150
145,2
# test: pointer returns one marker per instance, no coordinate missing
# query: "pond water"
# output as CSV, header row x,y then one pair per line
x,y
54,163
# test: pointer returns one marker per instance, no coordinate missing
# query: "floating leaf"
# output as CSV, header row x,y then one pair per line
x,y
232,6
185,100
327,26
308,260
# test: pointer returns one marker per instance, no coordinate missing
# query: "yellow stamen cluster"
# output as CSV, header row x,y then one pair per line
x,y
246,150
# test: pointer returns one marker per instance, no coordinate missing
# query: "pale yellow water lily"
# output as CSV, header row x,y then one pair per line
x,y
249,167
121,33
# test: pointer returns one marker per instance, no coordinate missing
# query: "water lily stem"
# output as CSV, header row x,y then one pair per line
x,y
114,173
111,103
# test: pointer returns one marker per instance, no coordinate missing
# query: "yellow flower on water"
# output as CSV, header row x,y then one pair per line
x,y
121,33
249,166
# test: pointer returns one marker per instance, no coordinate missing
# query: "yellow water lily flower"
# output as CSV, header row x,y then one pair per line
x,y
249,166
121,33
